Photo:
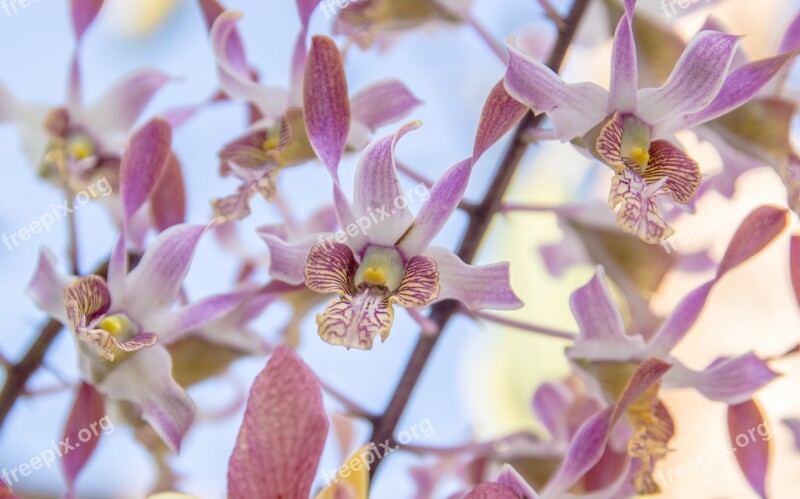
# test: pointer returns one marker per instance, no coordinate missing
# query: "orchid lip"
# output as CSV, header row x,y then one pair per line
x,y
380,266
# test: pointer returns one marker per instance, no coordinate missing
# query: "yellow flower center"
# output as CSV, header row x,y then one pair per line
x,y
381,266
640,155
270,144
80,147
115,325
375,276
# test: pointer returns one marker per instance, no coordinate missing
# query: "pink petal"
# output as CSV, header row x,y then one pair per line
x,y
5,492
326,103
330,269
574,109
145,379
83,13
356,238
442,201
681,320
794,266
46,287
420,284
756,232
194,316
168,201
791,39
287,260
694,83
726,380
354,321
747,425
154,284
211,9
119,109
550,402
283,432
500,114
514,482
87,413
476,286
793,424
143,162
378,194
491,491
624,70
383,103
305,8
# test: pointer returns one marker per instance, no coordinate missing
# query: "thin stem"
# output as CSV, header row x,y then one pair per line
x,y
536,208
479,223
552,13
351,407
496,47
523,326
74,257
472,447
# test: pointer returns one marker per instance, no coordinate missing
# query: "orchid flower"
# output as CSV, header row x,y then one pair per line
x,y
384,257
509,485
280,138
124,323
629,129
608,353
77,144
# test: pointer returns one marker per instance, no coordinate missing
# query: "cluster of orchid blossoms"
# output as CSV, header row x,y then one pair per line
x,y
141,342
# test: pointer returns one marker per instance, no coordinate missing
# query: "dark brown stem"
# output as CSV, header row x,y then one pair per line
x,y
480,220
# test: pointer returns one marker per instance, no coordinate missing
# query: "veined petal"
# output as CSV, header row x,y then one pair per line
x,y
682,173
378,190
753,458
383,103
154,284
420,284
83,13
500,113
694,83
355,321
46,287
608,145
623,91
281,438
443,199
145,379
740,86
574,109
287,260
638,213
117,111
326,103
732,381
476,286
86,299
330,268
143,163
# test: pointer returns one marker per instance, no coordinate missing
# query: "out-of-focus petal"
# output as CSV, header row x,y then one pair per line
x,y
514,482
757,231
383,103
168,201
793,424
794,266
732,381
283,432
143,163
88,411
476,286
154,284
145,379
491,491
791,39
326,102
46,287
83,13
378,192
500,113
355,321
574,109
694,83
623,91
681,320
352,479
753,457
442,201
200,313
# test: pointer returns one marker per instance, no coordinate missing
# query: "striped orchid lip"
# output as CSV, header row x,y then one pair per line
x,y
367,290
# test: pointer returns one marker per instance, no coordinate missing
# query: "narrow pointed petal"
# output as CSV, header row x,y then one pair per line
x,y
757,231
550,402
681,320
154,284
356,238
682,173
514,482
500,114
211,9
168,200
476,286
420,284
200,313
83,13
753,457
355,321
378,190
88,409
46,287
119,109
283,432
740,86
305,8
574,109
694,83
287,260
624,70
383,103
589,443
732,381
143,163
791,39
442,201
326,102
330,268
